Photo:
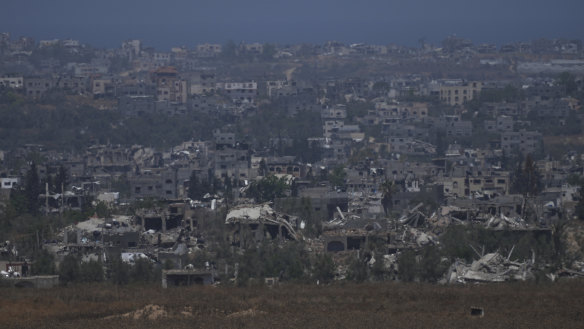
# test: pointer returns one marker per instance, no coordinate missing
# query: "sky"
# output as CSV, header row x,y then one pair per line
x,y
168,23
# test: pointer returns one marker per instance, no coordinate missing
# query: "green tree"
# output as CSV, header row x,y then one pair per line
x,y
44,263
229,50
323,268
388,189
268,188
579,210
380,87
337,177
407,265
431,267
69,269
119,271
378,271
91,271
357,270
61,179
287,262
169,265
526,179
268,52
196,189
216,184
18,201
142,271
455,242
32,189
263,168
228,193
250,266
102,210
568,81
122,185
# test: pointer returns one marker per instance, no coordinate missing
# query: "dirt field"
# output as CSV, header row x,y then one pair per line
x,y
385,305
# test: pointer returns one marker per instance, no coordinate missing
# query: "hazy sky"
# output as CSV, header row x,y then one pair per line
x,y
105,23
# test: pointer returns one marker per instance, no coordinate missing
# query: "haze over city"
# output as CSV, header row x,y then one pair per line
x,y
164,24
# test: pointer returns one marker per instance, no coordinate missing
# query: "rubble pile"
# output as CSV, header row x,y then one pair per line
x,y
422,238
413,217
492,267
503,222
263,214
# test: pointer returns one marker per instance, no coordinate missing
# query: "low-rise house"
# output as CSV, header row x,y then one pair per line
x,y
86,70
453,125
252,48
280,88
558,109
202,83
502,124
494,110
396,110
208,50
169,86
526,142
231,158
102,86
459,93
158,183
278,165
331,127
325,202
36,87
73,84
472,182
135,88
8,182
240,91
410,146
12,82
131,48
133,106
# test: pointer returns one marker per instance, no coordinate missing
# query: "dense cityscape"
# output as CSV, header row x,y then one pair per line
x,y
260,165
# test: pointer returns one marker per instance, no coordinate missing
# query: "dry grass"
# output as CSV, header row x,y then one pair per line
x,y
297,306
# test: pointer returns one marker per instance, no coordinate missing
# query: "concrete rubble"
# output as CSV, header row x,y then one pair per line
x,y
273,224
492,267
504,222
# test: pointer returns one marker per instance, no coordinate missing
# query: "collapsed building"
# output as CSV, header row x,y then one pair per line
x,y
162,235
163,219
491,267
255,223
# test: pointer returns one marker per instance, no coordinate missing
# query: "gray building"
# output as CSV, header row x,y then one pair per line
x,y
526,142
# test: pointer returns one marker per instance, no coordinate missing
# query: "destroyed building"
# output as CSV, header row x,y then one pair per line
x,y
255,223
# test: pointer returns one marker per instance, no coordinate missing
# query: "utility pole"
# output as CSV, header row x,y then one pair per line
x,y
46,198
62,201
